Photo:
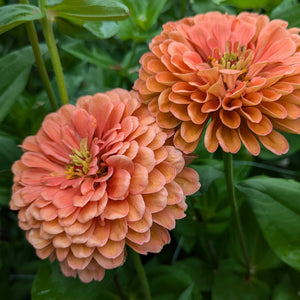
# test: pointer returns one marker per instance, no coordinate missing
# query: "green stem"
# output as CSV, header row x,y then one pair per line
x,y
141,273
227,158
46,23
39,60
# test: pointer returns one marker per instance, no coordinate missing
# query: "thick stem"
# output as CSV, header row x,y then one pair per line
x,y
227,157
46,23
39,60
141,274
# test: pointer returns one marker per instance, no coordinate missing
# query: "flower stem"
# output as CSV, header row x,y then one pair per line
x,y
141,274
46,23
227,158
39,60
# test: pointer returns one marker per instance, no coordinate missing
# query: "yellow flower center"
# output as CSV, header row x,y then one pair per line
x,y
234,58
79,166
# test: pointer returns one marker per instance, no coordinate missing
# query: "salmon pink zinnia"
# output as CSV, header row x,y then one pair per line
x,y
237,75
98,176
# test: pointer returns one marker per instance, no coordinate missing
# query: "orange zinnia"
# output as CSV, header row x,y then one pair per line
x,y
237,75
98,176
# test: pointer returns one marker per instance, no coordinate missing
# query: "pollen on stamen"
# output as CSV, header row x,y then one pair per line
x,y
79,166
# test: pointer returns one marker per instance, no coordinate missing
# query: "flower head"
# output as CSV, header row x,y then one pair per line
x,y
237,75
98,176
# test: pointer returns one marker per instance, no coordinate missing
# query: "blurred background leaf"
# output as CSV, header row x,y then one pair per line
x,y
16,14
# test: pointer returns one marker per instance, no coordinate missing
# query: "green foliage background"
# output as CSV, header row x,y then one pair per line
x,y
204,260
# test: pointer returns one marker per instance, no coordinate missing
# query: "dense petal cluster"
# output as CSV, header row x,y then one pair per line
x,y
237,75
98,176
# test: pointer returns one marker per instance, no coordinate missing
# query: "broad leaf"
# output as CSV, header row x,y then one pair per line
x,y
51,284
204,6
15,68
200,271
81,11
289,11
102,30
261,257
276,204
187,293
246,4
11,93
9,152
154,9
16,14
209,170
89,30
232,282
93,56
170,282
5,193
286,290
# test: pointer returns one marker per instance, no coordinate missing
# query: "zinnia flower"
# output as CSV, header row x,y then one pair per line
x,y
97,176
237,75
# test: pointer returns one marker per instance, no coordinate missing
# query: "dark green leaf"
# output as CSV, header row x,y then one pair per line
x,y
5,193
74,30
200,271
81,11
16,14
276,204
285,290
9,152
10,94
261,257
232,282
169,282
187,293
50,284
93,56
15,68
289,11
209,170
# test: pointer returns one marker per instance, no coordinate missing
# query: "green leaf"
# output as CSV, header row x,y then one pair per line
x,y
51,284
16,14
89,30
209,170
289,11
9,152
247,4
16,67
204,6
187,293
276,204
93,56
5,193
261,257
232,282
11,93
74,30
102,30
154,9
169,282
200,271
81,11
285,290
